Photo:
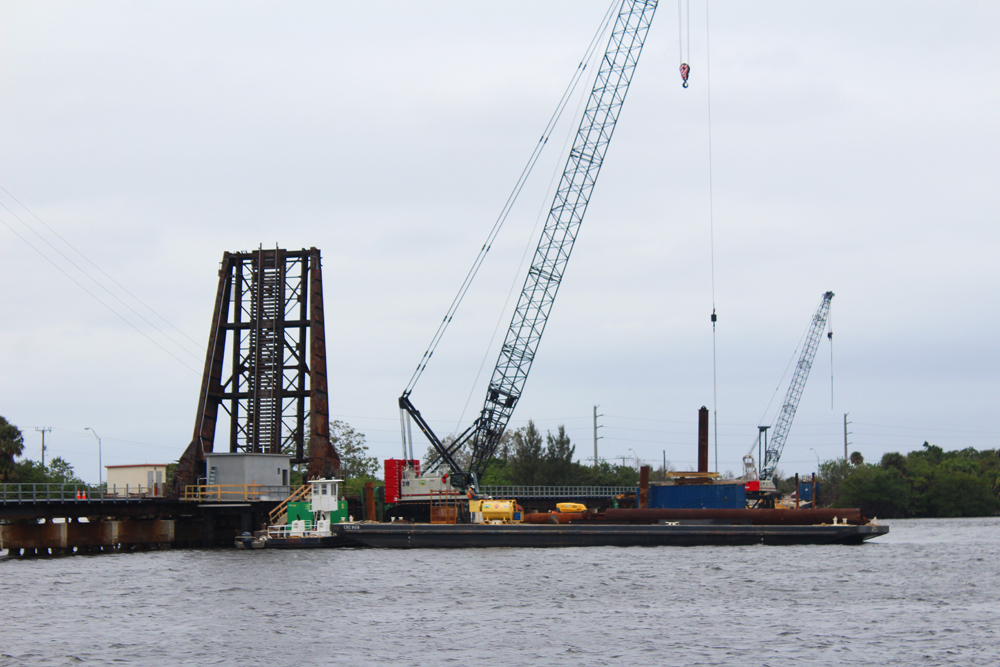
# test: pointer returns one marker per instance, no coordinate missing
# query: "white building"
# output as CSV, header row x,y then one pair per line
x,y
148,479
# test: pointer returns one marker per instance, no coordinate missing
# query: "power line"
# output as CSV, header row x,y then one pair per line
x,y
93,264
508,205
95,297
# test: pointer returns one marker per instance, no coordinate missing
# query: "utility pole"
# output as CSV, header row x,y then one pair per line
x,y
596,438
43,430
845,435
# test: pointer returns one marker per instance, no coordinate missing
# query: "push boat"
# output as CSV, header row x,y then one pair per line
x,y
306,521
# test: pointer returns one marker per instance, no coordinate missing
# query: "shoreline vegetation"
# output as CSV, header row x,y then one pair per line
x,y
926,483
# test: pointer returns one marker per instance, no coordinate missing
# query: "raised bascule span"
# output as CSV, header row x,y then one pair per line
x,y
269,315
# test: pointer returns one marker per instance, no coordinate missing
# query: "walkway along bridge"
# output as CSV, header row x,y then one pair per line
x,y
265,371
63,519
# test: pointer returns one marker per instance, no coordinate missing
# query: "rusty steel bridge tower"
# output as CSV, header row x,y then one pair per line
x,y
274,387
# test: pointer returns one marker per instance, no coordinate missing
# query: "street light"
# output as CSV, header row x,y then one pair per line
x,y
100,468
636,459
817,458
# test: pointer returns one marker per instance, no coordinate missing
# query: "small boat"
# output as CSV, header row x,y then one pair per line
x,y
249,541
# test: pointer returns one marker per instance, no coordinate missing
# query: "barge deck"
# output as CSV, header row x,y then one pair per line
x,y
453,536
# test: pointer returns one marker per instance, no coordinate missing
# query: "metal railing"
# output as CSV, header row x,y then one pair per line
x,y
66,493
136,491
234,492
280,513
555,491
284,531
308,528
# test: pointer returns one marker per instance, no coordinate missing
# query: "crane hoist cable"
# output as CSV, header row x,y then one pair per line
x,y
711,233
527,249
511,198
685,68
552,254
829,336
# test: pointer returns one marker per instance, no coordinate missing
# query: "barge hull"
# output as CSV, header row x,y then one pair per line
x,y
320,542
456,536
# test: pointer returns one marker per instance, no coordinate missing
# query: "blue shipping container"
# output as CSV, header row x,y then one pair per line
x,y
806,491
698,496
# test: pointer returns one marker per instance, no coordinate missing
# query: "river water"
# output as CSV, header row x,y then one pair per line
x,y
926,594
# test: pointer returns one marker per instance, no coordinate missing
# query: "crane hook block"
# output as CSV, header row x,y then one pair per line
x,y
685,71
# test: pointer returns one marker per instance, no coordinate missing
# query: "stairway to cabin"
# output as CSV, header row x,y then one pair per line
x,y
279,515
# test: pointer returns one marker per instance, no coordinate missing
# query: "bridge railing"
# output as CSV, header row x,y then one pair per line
x,y
35,493
555,491
234,492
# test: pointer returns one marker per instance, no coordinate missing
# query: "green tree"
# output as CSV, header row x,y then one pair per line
x,y
928,482
557,467
353,452
894,461
605,474
831,476
463,455
27,471
62,472
11,446
876,491
498,473
857,459
527,456
954,494
59,471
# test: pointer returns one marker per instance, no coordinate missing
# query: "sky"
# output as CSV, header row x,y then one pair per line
x,y
844,146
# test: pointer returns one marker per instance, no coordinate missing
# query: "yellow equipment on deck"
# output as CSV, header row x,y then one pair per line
x,y
495,511
571,507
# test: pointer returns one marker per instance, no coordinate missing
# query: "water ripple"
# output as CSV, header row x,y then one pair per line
x,y
924,594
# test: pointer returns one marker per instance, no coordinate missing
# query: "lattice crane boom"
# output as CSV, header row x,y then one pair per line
x,y
777,442
552,254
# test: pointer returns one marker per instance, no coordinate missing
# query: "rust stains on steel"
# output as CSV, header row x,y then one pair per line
x,y
272,302
644,486
703,439
323,457
209,397
370,514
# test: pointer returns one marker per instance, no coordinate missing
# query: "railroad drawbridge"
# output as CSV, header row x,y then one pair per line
x,y
269,313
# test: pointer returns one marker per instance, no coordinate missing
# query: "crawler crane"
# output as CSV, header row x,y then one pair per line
x,y
548,265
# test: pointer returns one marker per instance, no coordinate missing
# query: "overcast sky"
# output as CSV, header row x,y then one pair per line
x,y
854,148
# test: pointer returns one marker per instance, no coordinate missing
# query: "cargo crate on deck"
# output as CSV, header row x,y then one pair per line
x,y
709,496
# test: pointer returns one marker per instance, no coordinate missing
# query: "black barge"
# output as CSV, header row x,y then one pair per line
x,y
402,535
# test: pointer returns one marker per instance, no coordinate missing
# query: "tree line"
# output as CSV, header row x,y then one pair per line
x,y
525,457
928,482
26,471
